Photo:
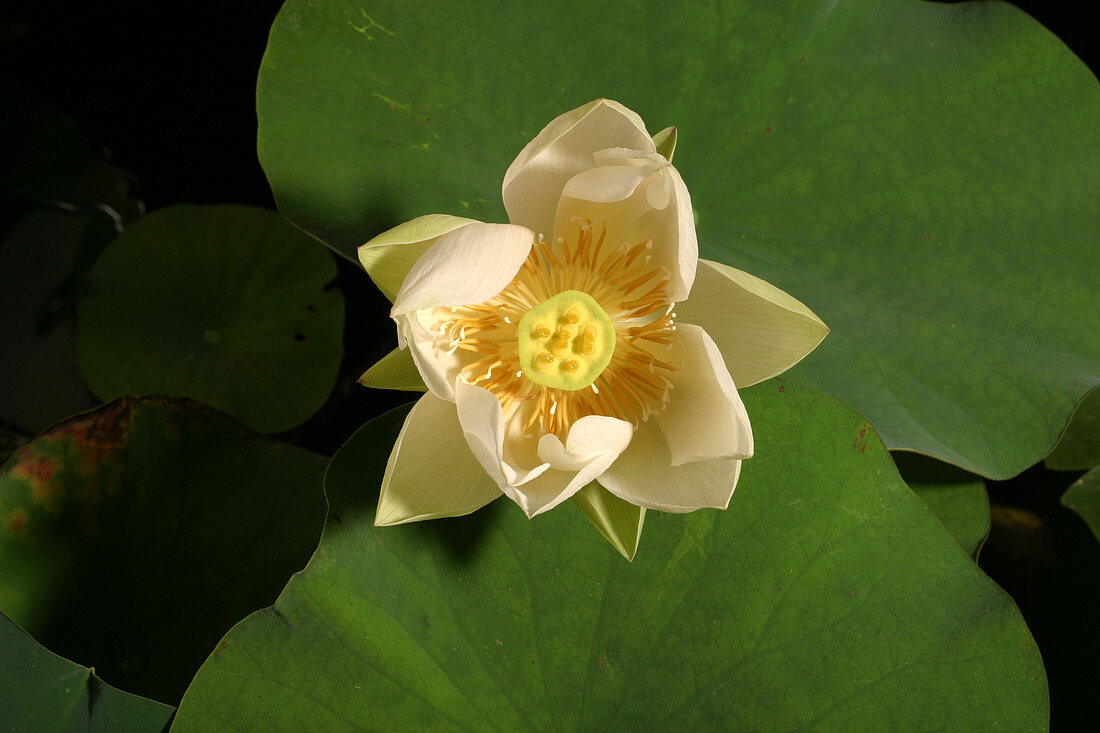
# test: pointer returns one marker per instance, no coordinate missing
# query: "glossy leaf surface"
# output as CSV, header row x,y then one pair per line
x,y
922,176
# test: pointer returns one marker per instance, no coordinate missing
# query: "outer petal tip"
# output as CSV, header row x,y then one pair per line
x,y
431,472
760,330
468,265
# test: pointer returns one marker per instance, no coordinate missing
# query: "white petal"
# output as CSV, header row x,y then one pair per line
x,y
464,267
486,431
593,444
431,472
644,475
588,438
534,181
760,330
437,364
537,479
388,257
705,417
639,197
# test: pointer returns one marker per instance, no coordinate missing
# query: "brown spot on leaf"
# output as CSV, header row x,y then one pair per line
x,y
859,442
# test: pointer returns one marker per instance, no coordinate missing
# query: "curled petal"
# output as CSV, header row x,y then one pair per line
x,y
588,438
593,444
638,197
388,257
760,330
534,181
705,417
431,472
486,432
644,475
540,479
437,364
468,265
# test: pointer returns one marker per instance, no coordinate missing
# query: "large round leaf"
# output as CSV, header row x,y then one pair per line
x,y
133,536
41,691
827,597
224,304
923,176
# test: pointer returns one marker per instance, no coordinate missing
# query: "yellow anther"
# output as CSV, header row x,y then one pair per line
x,y
587,348
565,334
542,332
572,316
544,360
572,365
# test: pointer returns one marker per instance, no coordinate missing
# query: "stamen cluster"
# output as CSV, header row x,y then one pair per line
x,y
634,293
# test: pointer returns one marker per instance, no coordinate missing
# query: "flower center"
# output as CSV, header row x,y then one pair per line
x,y
566,341
600,346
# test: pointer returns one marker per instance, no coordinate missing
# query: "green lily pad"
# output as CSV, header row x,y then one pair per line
x,y
1083,497
133,536
224,304
826,597
1079,447
957,497
923,176
41,691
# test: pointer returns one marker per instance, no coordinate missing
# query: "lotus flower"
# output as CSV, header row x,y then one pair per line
x,y
583,342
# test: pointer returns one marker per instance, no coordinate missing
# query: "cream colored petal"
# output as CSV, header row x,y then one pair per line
x,y
760,330
638,197
593,444
705,417
588,438
437,365
466,266
620,522
431,472
395,370
537,482
644,475
534,181
486,430
388,257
